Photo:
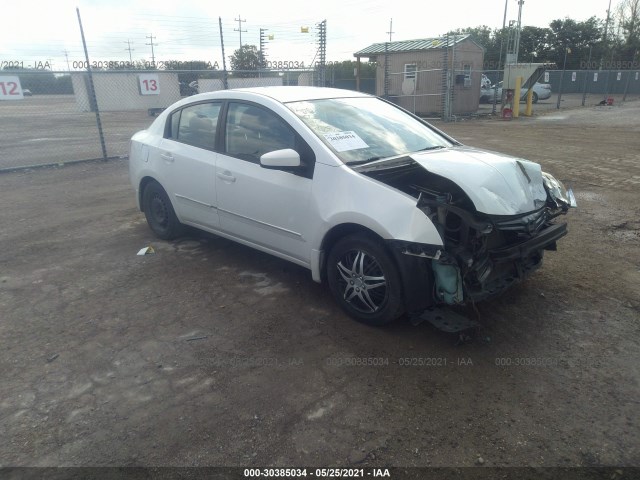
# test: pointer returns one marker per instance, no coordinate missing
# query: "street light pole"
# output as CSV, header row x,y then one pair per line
x,y
519,28
504,19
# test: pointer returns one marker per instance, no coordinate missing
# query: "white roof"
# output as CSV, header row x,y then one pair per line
x,y
288,94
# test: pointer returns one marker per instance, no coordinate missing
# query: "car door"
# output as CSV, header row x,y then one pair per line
x,y
189,162
265,207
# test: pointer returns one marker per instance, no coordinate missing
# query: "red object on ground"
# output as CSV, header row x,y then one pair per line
x,y
609,101
507,113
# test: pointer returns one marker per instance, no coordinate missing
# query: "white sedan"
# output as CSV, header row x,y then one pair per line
x,y
393,214
541,91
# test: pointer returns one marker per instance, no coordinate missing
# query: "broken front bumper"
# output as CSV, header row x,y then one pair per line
x,y
544,240
432,275
491,273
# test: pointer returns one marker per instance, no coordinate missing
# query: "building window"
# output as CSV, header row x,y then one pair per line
x,y
467,75
410,70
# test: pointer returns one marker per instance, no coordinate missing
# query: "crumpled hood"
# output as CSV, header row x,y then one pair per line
x,y
496,184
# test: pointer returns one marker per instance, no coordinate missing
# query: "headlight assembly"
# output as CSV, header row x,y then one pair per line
x,y
561,196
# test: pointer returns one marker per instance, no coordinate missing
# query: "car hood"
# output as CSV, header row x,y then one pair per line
x,y
496,184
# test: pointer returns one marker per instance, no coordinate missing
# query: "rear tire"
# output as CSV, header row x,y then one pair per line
x,y
534,97
364,280
159,212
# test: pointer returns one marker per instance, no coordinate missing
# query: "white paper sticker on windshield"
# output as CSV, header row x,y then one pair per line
x,y
344,141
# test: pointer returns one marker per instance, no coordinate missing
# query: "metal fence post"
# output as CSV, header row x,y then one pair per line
x,y
586,78
92,94
386,70
626,87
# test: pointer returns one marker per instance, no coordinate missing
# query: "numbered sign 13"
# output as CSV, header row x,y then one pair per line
x,y
149,84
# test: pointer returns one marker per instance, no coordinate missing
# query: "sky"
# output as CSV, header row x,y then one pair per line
x,y
189,30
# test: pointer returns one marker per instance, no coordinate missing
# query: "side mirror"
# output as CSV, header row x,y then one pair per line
x,y
277,159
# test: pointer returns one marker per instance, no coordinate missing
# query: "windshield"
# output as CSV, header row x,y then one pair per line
x,y
361,130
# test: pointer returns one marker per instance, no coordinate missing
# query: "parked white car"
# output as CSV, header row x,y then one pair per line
x,y
393,214
541,91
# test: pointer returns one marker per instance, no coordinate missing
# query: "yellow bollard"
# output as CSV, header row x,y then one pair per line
x,y
516,98
529,111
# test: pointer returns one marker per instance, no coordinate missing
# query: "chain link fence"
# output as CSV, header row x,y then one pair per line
x,y
53,117
442,93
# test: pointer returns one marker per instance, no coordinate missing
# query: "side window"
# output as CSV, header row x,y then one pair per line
x,y
253,131
196,125
467,75
410,70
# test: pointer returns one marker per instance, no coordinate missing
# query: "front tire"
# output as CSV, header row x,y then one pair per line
x,y
159,212
534,98
364,280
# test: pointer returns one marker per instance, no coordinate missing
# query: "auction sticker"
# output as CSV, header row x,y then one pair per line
x,y
10,88
345,141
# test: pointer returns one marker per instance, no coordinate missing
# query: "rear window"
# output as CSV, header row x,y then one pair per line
x,y
196,125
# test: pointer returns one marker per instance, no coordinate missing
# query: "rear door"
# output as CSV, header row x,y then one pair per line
x,y
188,157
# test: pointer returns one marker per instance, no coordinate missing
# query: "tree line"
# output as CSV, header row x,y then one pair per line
x,y
587,44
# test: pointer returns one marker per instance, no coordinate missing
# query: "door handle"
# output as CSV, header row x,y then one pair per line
x,y
226,177
167,157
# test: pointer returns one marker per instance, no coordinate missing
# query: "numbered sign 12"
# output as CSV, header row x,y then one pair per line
x,y
10,88
149,84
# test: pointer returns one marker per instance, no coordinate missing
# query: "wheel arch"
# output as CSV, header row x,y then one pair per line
x,y
144,181
415,273
334,234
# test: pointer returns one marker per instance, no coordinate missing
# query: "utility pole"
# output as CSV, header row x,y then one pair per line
x,y
519,28
128,42
606,33
239,29
390,32
66,54
153,56
504,19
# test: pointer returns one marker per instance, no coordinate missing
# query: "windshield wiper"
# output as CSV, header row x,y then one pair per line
x,y
360,162
435,147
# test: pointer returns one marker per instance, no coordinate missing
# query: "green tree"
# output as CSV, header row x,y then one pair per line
x,y
246,60
628,17
535,44
579,37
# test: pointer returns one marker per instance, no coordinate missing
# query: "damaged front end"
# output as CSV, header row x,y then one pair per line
x,y
482,254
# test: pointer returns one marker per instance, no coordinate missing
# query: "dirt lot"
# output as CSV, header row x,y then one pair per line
x,y
209,353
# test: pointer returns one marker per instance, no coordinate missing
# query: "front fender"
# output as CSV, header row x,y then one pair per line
x,y
356,199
